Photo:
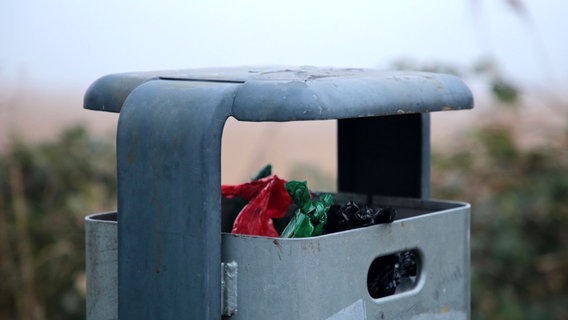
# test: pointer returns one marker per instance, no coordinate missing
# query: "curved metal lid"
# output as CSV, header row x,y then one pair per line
x,y
302,93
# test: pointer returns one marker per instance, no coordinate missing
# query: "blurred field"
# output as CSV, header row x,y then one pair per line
x,y
35,113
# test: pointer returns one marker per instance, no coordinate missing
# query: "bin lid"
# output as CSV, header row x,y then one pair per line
x,y
301,93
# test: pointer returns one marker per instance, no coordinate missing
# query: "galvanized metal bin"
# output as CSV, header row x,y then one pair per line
x,y
321,277
173,260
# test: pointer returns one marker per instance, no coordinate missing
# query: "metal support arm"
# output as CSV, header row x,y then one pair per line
x,y
169,173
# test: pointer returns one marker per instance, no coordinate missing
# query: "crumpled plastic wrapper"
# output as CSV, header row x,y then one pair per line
x,y
311,215
267,198
351,216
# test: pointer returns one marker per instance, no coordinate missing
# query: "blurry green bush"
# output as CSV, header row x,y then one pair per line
x,y
519,220
45,192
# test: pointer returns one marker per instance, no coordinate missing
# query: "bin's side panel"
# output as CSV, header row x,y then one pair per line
x,y
326,277
102,268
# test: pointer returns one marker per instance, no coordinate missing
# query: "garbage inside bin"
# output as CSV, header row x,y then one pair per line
x,y
311,216
240,203
392,273
264,201
351,216
267,199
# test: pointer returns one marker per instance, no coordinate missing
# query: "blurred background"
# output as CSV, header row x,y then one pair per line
x,y
508,156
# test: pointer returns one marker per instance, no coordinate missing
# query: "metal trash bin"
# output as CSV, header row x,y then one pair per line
x,y
174,262
264,275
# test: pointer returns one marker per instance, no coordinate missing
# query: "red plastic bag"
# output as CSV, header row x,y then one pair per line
x,y
267,198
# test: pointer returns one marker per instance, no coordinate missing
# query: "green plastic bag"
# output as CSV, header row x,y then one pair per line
x,y
311,216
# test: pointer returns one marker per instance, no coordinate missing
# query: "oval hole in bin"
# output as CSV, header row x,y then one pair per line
x,y
394,273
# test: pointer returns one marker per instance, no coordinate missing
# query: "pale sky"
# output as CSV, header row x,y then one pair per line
x,y
70,43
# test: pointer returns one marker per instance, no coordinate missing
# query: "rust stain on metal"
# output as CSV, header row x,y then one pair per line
x,y
277,244
444,309
131,158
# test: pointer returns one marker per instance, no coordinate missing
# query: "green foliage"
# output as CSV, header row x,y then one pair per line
x,y
504,91
519,219
45,192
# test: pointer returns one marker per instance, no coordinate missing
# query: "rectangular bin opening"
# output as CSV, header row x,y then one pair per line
x,y
394,273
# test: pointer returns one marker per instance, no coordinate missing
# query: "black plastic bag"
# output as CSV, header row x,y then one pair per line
x,y
351,216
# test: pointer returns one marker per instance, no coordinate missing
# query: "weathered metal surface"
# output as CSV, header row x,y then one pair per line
x,y
322,277
169,177
101,244
169,167
326,277
303,93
